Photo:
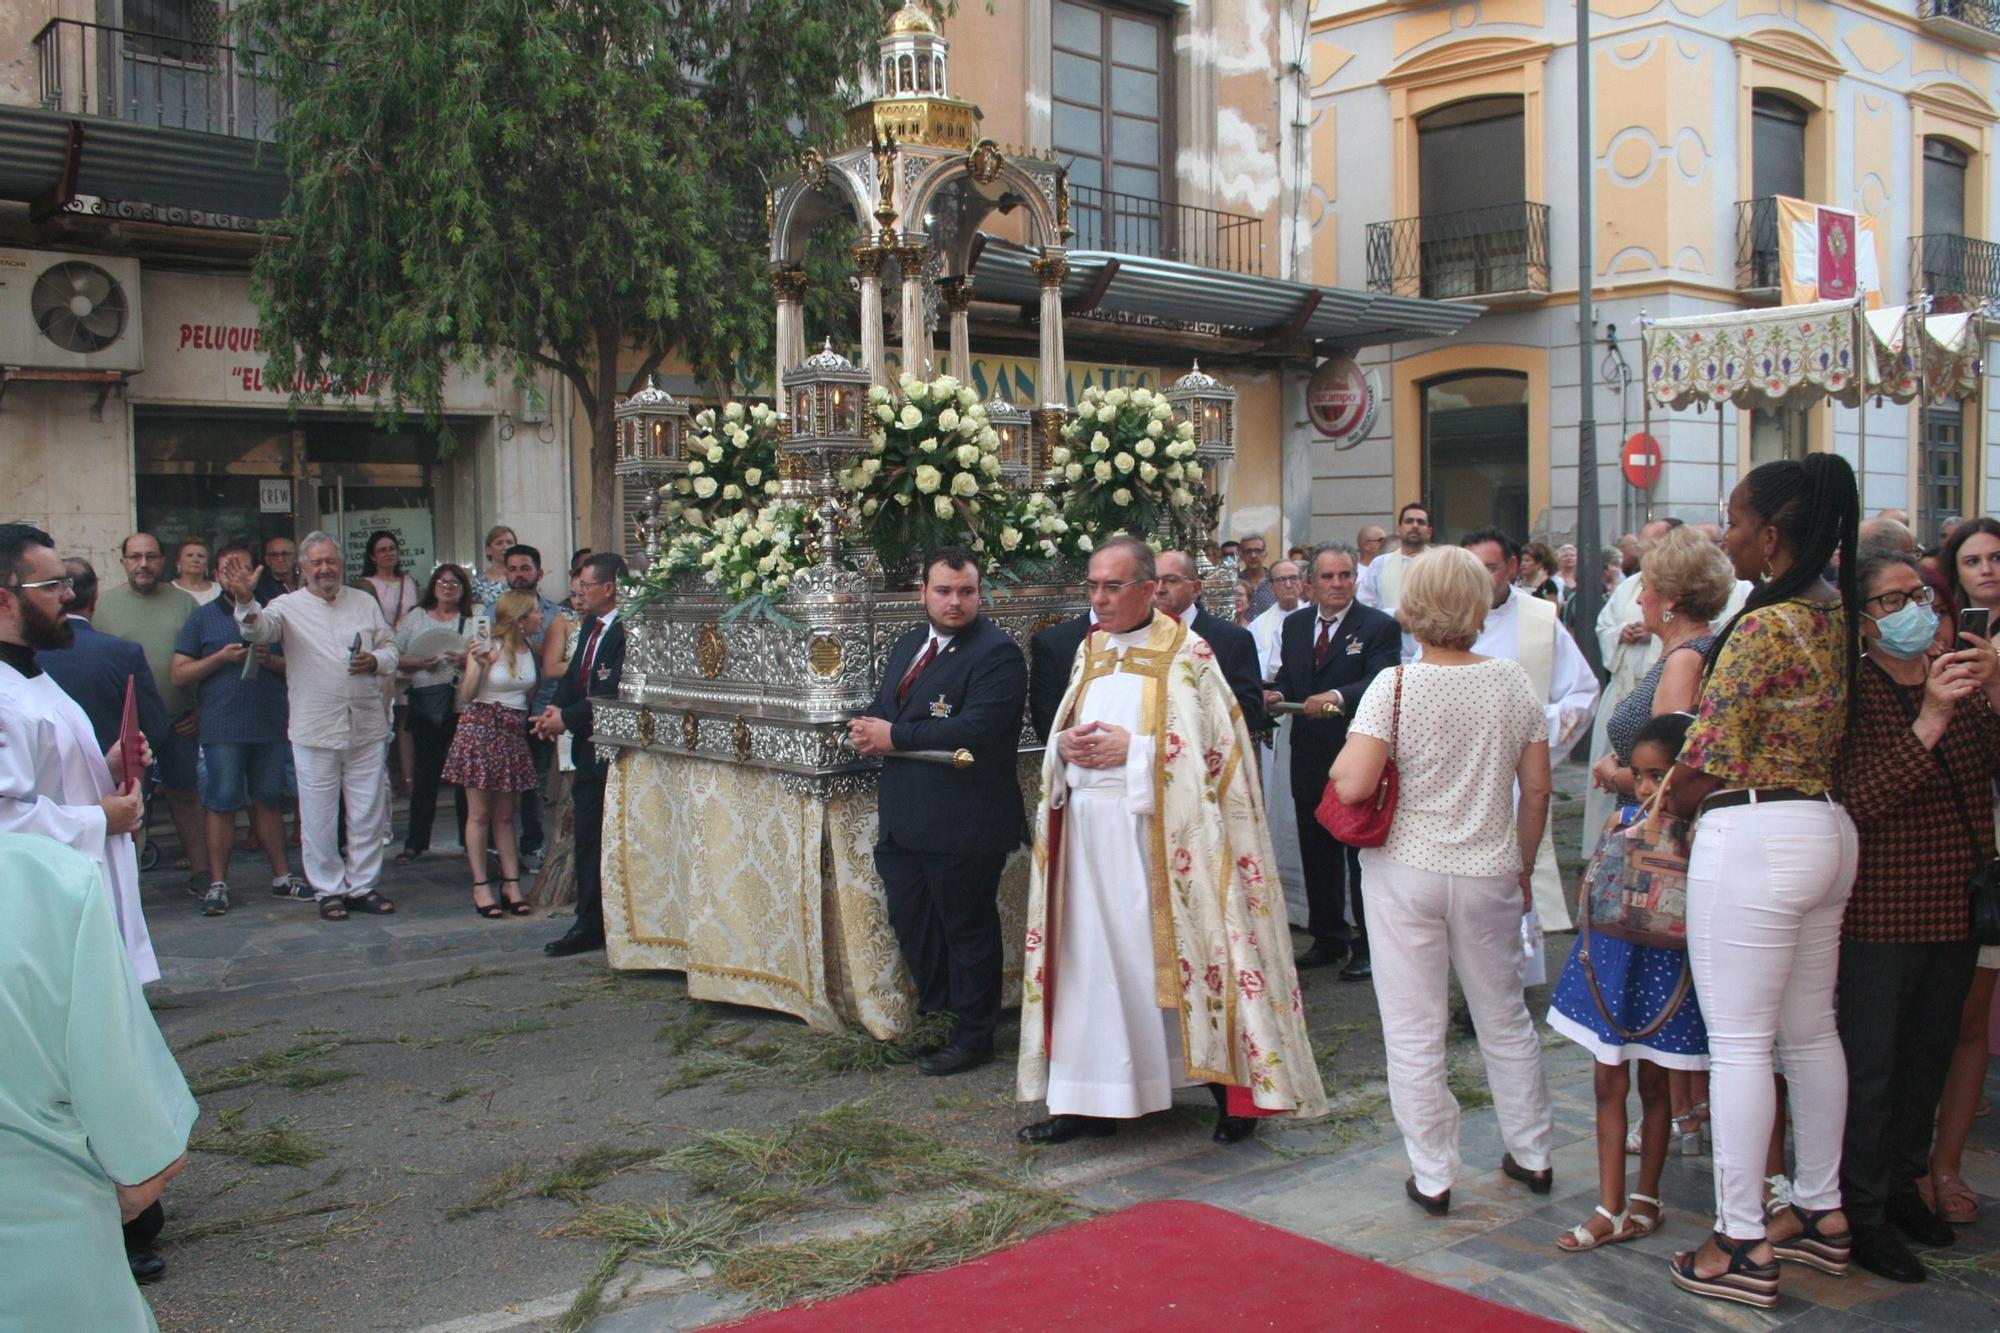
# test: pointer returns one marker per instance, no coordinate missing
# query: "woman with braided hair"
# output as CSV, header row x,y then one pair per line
x,y
1773,862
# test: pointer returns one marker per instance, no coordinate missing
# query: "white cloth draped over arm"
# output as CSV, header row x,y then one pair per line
x,y
1572,691
24,810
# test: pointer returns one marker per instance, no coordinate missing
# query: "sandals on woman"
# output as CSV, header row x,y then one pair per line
x,y
491,911
1950,1198
1813,1247
1745,1280
517,905
1580,1237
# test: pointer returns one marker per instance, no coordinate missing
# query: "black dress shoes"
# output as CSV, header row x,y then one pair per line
x,y
1234,1128
1358,970
1063,1128
575,942
1437,1205
1907,1211
147,1266
953,1060
1882,1252
1538,1182
1320,956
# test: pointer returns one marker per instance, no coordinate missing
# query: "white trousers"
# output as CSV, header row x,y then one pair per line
x,y
1421,927
1767,888
325,776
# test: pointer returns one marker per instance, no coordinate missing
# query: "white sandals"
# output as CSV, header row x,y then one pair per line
x,y
1624,1226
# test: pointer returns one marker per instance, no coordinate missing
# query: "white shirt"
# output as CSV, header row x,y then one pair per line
x,y
331,707
508,684
1572,684
1367,585
1268,630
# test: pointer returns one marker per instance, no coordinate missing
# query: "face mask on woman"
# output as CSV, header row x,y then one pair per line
x,y
1908,632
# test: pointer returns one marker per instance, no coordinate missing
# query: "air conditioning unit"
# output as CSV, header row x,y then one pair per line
x,y
69,312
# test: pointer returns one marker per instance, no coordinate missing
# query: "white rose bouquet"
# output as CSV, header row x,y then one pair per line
x,y
1124,463
732,465
931,474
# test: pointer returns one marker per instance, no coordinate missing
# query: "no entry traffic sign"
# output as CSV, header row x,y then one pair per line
x,y
1640,460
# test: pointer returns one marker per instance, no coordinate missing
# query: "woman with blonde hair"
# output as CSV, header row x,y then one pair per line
x,y
1447,889
489,755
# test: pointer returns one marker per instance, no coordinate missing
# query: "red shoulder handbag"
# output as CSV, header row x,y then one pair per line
x,y
1365,823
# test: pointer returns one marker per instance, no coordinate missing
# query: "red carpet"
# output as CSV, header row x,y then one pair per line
x,y
1158,1266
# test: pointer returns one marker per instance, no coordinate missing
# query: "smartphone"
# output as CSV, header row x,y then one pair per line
x,y
482,629
354,647
1973,620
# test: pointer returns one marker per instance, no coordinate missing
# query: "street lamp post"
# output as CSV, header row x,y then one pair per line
x,y
1589,539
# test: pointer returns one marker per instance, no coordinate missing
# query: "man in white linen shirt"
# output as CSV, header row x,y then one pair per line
x,y
1525,629
338,650
1380,583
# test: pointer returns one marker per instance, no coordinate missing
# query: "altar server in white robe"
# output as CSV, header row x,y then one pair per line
x,y
1156,954
1525,629
53,779
1288,585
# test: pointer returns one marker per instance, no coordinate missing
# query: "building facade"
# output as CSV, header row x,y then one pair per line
x,y
1444,149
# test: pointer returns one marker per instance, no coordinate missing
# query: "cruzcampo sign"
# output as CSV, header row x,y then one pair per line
x,y
1342,401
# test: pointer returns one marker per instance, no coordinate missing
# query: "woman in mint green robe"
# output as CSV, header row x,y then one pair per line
x,y
90,1096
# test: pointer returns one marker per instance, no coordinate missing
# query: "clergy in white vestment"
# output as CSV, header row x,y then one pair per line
x,y
1156,955
1526,629
1380,583
53,779
1287,584
1628,652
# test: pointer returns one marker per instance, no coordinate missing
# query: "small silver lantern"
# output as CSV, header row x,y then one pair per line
x,y
828,395
1211,405
1016,429
652,433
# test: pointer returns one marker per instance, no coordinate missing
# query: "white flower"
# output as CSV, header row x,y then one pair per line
x,y
1083,542
771,487
1124,463
1116,397
753,476
749,580
1148,473
731,492
1156,428
684,486
1142,398
942,504
928,444
704,487
919,392
1058,456
1010,537
1145,448
990,465
902,498
972,506
733,411
1107,413
965,484
1176,472
870,466
1074,472
868,507
767,525
912,416
782,581
1184,431
1101,470
1092,394
1183,498
696,467
884,413
760,413
1098,443
1161,410
967,398
906,382
945,386
767,564
877,394
948,419
1121,497
968,455
928,478
705,418
969,426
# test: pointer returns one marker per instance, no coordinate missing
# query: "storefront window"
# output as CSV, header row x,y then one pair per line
x,y
1476,452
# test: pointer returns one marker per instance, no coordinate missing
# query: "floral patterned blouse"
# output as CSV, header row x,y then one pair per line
x,y
1775,704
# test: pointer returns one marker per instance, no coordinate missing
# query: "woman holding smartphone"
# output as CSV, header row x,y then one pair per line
x,y
489,755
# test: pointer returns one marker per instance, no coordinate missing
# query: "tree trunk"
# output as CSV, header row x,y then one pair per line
x,y
606,521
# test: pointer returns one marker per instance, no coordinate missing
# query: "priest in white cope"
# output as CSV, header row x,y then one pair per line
x,y
1526,629
53,779
1156,955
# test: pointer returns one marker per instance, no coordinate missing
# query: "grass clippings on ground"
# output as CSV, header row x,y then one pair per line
x,y
179,1235
210,1038
850,1147
1469,1087
473,973
297,1066
497,1193
485,1039
275,1144
592,1167
591,1296
779,1275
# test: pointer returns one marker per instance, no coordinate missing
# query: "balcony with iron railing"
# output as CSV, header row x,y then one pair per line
x,y
1960,273
146,78
1131,224
1757,245
1493,252
1974,23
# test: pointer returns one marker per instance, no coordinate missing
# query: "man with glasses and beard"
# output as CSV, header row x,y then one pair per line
x,y
54,779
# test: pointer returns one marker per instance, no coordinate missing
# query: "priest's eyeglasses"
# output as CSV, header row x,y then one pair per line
x,y
66,583
1091,587
1892,602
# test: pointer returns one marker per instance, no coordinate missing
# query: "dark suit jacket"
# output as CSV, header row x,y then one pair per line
x,y
930,808
1052,653
573,693
93,671
1367,643
1236,652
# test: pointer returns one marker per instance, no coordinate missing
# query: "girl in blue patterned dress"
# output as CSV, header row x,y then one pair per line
x,y
1636,984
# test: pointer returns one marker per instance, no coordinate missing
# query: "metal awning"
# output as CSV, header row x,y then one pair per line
x,y
182,175
1238,304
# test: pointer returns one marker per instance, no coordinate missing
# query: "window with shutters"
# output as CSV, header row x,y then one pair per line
x,y
1110,118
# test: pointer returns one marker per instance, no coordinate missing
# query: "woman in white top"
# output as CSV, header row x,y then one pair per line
x,y
396,592
191,572
489,755
1449,887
